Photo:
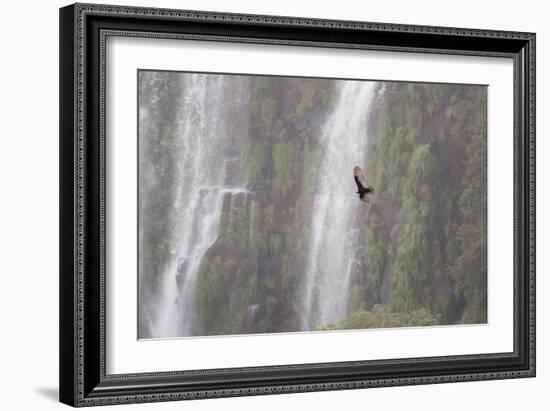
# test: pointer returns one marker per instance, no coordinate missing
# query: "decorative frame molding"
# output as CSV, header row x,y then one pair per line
x,y
83,32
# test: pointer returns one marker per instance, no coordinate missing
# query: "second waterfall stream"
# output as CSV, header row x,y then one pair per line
x,y
334,244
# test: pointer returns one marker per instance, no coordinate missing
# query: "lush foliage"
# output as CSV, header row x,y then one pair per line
x,y
432,164
425,238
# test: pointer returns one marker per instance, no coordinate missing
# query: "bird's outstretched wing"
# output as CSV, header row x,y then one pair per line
x,y
360,181
359,185
359,178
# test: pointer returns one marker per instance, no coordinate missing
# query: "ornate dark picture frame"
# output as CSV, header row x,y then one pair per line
x,y
83,31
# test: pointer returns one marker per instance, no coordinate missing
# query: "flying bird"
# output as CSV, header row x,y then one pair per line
x,y
360,181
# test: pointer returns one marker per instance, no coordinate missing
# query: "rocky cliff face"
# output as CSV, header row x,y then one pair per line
x,y
291,248
262,244
427,221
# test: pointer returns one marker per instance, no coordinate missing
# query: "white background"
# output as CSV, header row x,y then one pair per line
x,y
29,206
125,354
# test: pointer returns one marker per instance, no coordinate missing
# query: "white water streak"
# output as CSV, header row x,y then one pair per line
x,y
334,237
204,137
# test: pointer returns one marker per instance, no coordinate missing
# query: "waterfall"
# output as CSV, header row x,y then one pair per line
x,y
208,135
196,126
334,237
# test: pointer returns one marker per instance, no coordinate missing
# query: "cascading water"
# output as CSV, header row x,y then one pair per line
x,y
209,139
334,236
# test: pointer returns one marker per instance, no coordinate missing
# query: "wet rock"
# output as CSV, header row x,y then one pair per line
x,y
233,172
232,153
263,326
268,272
285,319
259,185
230,268
180,281
422,191
387,209
399,217
289,97
253,317
311,120
238,200
235,200
243,271
182,265
444,289
358,273
261,197
226,202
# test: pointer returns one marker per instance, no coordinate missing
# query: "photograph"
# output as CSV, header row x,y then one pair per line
x,y
256,202
280,204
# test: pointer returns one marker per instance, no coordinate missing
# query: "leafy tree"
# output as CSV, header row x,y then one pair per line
x,y
381,316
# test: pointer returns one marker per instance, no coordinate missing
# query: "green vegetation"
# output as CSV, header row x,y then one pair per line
x,y
283,159
432,165
210,290
381,316
424,260
375,259
254,158
268,111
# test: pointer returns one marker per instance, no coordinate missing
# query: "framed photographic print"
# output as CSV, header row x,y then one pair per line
x,y
262,204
